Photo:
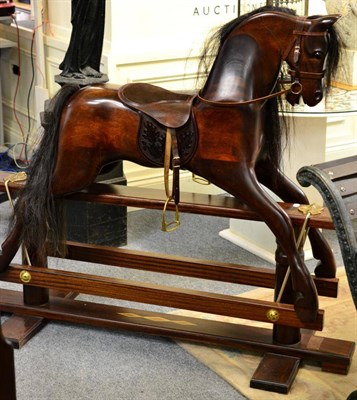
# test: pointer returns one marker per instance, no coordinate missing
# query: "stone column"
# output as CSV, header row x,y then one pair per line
x,y
346,77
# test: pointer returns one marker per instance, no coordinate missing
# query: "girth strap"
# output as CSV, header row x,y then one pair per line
x,y
171,147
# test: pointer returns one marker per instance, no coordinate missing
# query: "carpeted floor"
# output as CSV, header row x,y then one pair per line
x,y
77,362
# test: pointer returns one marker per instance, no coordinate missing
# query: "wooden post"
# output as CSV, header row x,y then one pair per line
x,y
34,296
284,334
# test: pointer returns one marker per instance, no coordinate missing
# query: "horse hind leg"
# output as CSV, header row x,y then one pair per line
x,y
70,175
240,181
288,191
74,170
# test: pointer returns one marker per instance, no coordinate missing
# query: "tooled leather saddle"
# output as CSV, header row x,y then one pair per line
x,y
161,109
167,133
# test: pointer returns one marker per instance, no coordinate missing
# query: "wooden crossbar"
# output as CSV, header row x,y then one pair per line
x,y
195,203
186,266
166,296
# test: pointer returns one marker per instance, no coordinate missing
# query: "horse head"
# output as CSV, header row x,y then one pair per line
x,y
312,55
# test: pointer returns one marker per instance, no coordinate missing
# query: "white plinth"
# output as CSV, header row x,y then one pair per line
x,y
256,238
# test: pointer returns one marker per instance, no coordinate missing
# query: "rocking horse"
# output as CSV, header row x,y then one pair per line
x,y
228,134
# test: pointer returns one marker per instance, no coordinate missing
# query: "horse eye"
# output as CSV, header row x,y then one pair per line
x,y
318,55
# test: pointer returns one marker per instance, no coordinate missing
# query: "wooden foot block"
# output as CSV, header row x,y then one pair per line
x,y
275,373
20,329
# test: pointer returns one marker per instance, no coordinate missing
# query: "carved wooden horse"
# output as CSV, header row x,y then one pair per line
x,y
227,134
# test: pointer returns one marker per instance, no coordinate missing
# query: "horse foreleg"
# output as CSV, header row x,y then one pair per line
x,y
288,191
240,180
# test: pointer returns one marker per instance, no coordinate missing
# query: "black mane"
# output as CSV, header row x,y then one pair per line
x,y
214,42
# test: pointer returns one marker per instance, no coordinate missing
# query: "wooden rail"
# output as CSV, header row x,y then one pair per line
x,y
220,206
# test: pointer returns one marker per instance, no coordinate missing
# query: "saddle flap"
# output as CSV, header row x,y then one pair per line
x,y
168,108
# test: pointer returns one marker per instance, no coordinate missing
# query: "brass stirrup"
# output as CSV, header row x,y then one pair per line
x,y
173,225
200,180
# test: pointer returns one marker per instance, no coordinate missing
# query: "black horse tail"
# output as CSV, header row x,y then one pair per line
x,y
41,215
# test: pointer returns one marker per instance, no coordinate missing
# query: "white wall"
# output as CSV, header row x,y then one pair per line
x,y
317,7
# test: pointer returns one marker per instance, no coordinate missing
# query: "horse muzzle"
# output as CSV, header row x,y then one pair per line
x,y
293,98
312,101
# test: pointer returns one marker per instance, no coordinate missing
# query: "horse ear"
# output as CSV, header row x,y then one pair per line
x,y
329,20
325,21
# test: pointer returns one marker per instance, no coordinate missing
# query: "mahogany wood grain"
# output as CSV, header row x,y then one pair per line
x,y
19,329
333,353
195,203
186,266
167,296
275,373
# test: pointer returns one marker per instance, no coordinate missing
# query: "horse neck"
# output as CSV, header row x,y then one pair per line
x,y
248,62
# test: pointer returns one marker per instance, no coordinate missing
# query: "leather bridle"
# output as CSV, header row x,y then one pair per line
x,y
296,73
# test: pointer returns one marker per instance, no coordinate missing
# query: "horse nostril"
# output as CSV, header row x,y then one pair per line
x,y
318,95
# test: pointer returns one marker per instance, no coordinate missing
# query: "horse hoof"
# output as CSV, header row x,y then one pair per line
x,y
306,309
325,271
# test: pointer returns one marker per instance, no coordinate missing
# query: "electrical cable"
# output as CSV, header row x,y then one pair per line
x,y
25,137
29,94
33,70
18,84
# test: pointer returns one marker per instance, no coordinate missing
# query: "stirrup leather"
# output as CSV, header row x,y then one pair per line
x,y
171,147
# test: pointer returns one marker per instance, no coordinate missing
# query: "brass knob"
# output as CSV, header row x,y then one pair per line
x,y
273,315
25,276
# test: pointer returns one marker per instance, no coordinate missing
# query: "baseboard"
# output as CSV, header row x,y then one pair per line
x,y
254,248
